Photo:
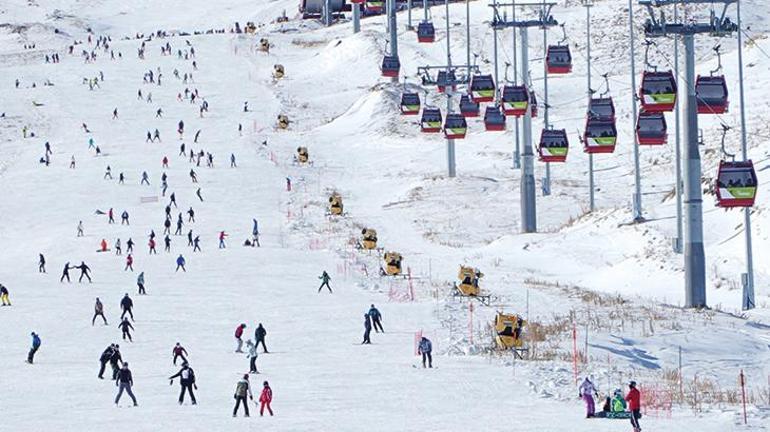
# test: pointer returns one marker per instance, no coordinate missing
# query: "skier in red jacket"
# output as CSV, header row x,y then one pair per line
x,y
634,399
238,334
265,398
129,263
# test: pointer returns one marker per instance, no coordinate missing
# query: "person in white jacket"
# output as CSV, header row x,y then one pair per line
x,y
251,353
587,392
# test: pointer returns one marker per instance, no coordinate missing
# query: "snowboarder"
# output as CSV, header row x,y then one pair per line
x,y
325,278
41,264
367,329
187,381
140,283
265,399
259,337
242,390
251,353
238,335
179,351
124,382
587,391
84,269
98,312
425,348
129,263
4,295
222,236
376,316
125,326
126,304
104,358
66,272
35,346
180,263
634,400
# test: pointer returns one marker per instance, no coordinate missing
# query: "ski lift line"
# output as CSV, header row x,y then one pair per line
x,y
756,45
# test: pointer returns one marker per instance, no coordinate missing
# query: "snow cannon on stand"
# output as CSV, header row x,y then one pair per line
x,y
283,121
278,71
264,45
508,328
469,285
335,204
302,155
250,28
369,240
392,264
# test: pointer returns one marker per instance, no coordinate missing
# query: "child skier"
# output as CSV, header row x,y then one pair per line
x,y
179,351
265,399
587,392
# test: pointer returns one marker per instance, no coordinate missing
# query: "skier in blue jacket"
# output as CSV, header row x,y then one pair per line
x,y
376,316
425,348
35,346
180,263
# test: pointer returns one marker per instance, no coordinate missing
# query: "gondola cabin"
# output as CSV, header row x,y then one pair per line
x,y
482,88
712,95
468,108
444,80
515,100
469,281
736,184
369,239
335,204
508,328
374,7
393,263
302,155
390,66
426,33
658,91
651,129
455,126
410,103
600,136
554,145
601,108
558,60
431,120
494,120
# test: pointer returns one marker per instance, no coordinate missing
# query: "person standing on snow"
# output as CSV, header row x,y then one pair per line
x,y
130,245
84,269
376,316
265,399
587,391
180,263
151,245
232,161
187,381
242,390
191,215
35,346
251,353
198,193
127,305
238,337
124,382
124,218
367,330
129,263
222,236
179,351
325,278
118,248
197,244
425,348
111,216
634,399
255,234
104,358
125,326
66,272
167,242
80,228
98,312
115,361
259,337
4,295
145,178
140,284
41,264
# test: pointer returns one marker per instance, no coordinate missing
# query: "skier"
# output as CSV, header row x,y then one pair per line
x,y
198,193
238,335
127,305
104,358
179,351
66,272
118,248
425,348
124,218
232,161
179,224
151,244
130,245
103,246
98,311
121,178
191,215
108,173
145,178
35,346
190,238
180,263
587,391
84,269
41,264
376,316
111,216
187,381
167,226
196,244
115,361
4,295
124,382
251,353
259,337
325,278
255,234
167,242
242,389
129,263
124,326
367,329
265,399
80,229
140,283
222,236
634,400
156,135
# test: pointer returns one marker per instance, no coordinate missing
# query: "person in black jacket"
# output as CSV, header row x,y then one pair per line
x,y
84,269
376,316
66,272
115,361
187,380
124,326
367,329
259,336
124,382
41,264
105,357
127,304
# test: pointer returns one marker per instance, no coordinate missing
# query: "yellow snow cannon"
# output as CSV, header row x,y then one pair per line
x,y
302,155
393,263
469,281
335,204
369,238
508,328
